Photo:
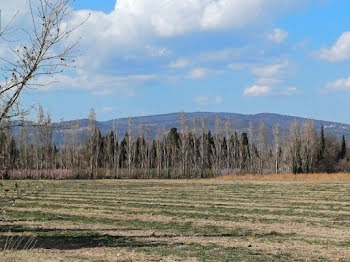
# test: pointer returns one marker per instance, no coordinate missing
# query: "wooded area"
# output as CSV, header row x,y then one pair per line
x,y
192,152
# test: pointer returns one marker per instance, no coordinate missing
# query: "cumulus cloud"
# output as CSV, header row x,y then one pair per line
x,y
226,13
139,23
340,84
136,21
268,77
257,90
340,51
278,35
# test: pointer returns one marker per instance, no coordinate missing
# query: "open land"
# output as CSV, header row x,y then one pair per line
x,y
228,219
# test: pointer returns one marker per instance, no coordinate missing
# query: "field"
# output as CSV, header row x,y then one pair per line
x,y
197,220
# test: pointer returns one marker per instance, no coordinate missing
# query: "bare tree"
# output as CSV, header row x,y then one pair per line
x,y
228,129
261,146
160,150
92,127
276,135
217,145
308,145
183,137
24,147
116,152
203,146
250,146
195,148
294,149
45,50
129,147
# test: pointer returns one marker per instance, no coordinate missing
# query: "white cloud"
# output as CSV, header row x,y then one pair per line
x,y
340,51
134,22
278,35
138,23
198,73
340,84
290,91
13,9
269,76
101,85
158,51
257,90
273,70
226,13
180,63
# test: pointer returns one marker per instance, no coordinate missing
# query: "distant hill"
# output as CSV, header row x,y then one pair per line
x,y
239,122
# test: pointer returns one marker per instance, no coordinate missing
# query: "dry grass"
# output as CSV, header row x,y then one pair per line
x,y
319,177
227,219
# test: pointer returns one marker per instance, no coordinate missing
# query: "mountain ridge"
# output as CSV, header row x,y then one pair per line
x,y
239,123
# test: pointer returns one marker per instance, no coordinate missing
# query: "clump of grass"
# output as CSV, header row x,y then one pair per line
x,y
19,243
15,247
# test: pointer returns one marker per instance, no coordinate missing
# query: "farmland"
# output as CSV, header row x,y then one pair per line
x,y
178,220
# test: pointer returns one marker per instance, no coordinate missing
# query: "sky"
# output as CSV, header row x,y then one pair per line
x,y
145,57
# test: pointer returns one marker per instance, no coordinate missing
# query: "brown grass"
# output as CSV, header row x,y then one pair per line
x,y
324,178
171,220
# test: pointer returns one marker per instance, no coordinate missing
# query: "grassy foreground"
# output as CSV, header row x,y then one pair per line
x,y
203,220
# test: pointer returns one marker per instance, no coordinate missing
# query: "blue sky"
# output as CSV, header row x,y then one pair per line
x,y
152,57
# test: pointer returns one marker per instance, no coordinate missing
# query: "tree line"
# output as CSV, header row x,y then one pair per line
x,y
190,152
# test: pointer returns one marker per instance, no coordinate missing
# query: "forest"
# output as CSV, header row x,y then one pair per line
x,y
191,152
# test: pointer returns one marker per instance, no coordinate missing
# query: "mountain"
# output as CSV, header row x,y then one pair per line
x,y
155,123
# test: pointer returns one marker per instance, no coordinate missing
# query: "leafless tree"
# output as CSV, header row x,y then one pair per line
x,y
276,135
217,145
308,145
261,146
116,154
184,142
294,148
129,147
229,133
24,147
160,151
203,146
47,48
92,128
250,146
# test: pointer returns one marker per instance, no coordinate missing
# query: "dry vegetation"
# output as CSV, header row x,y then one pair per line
x,y
321,177
225,219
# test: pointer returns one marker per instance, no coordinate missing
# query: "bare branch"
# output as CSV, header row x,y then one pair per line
x,y
46,51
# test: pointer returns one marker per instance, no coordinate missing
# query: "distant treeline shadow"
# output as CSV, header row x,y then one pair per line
x,y
68,239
